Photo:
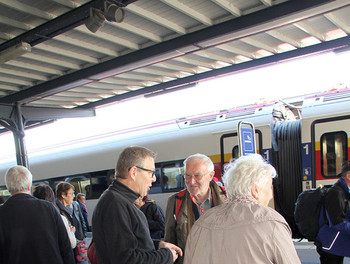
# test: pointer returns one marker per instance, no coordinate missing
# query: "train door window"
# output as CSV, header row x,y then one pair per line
x,y
333,153
4,193
172,176
99,183
235,152
80,183
156,186
40,182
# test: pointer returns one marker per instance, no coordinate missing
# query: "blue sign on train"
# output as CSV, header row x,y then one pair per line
x,y
248,146
246,133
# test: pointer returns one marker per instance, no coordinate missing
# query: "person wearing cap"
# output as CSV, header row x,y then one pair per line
x,y
333,238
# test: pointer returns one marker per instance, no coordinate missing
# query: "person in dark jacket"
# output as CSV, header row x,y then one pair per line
x,y
31,230
155,217
333,238
81,202
120,229
69,209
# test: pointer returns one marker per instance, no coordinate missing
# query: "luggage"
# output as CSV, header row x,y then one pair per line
x,y
307,212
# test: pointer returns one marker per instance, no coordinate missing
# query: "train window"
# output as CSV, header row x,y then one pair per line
x,y
333,153
99,184
172,176
4,192
80,183
156,186
235,152
35,183
169,177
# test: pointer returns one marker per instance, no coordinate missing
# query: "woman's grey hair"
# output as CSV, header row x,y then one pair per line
x,y
241,174
198,156
18,179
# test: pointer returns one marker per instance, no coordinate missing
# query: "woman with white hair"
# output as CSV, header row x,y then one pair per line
x,y
243,229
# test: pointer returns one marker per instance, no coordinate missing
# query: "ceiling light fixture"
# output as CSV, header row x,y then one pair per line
x,y
95,21
14,51
114,13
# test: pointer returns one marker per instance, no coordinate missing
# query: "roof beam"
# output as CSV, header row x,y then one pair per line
x,y
66,3
37,113
304,26
31,67
110,38
23,74
338,22
157,19
136,30
282,37
266,2
13,4
66,53
230,7
14,23
189,11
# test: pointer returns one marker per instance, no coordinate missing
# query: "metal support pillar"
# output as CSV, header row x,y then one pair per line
x,y
12,120
15,117
19,134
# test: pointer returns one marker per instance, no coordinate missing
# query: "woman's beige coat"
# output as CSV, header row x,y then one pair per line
x,y
240,231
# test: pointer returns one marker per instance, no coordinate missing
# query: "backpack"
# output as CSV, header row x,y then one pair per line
x,y
307,212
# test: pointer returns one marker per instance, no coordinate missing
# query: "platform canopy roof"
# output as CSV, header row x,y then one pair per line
x,y
51,61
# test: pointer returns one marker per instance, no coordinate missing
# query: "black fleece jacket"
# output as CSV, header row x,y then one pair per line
x,y
32,231
120,230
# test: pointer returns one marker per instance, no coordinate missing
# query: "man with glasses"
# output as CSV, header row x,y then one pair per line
x,y
120,229
186,206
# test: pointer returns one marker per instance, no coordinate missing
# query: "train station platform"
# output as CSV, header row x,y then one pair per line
x,y
306,251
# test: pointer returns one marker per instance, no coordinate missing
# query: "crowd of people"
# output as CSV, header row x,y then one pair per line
x,y
206,222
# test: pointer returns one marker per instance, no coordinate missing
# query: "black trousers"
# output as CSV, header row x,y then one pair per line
x,y
326,258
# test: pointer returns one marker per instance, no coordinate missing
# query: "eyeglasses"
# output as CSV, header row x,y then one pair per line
x,y
153,171
196,176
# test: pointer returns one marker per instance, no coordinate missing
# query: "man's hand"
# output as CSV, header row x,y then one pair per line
x,y
174,249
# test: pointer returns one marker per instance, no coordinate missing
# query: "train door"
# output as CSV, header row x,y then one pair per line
x,y
287,160
229,148
330,148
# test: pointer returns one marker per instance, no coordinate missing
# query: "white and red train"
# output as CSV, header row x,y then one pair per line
x,y
306,138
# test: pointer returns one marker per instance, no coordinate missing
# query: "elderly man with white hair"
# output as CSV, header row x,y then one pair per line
x,y
243,229
187,206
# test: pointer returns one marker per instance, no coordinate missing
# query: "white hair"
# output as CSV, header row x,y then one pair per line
x,y
241,174
201,157
18,179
